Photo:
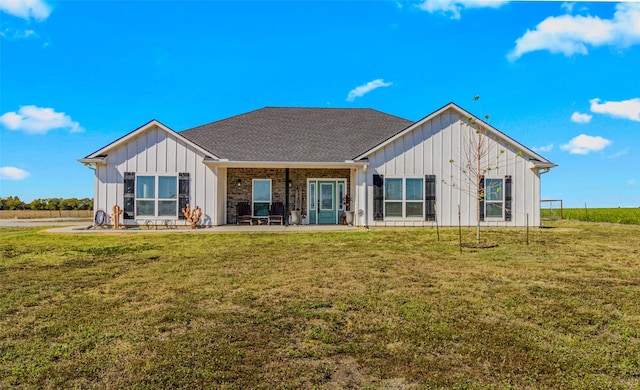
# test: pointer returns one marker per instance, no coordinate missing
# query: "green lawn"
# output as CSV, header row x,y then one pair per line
x,y
392,308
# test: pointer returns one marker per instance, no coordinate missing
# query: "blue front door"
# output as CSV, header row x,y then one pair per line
x,y
325,200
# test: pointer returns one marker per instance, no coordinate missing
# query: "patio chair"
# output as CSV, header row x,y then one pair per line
x,y
243,213
276,213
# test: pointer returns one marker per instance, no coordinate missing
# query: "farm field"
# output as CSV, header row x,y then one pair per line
x,y
611,215
629,216
384,308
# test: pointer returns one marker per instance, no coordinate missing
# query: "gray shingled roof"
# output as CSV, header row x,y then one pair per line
x,y
297,134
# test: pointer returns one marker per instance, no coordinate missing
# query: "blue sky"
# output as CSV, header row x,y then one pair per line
x,y
561,78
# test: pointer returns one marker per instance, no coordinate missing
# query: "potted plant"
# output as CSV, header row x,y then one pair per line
x,y
295,218
347,207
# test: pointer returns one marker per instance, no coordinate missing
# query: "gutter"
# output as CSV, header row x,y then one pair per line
x,y
93,162
284,164
542,167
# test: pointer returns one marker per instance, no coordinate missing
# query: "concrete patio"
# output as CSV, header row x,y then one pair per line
x,y
84,226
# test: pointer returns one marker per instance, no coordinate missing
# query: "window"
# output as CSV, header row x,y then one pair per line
x,y
312,196
156,196
415,198
261,197
326,196
393,198
493,200
404,197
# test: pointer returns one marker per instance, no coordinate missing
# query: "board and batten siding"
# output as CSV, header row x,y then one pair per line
x,y
156,152
428,150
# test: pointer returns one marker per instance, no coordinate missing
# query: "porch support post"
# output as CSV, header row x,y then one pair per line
x,y
286,196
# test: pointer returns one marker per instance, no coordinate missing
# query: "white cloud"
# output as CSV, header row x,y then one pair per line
x,y
631,182
581,118
454,7
26,9
568,7
366,88
583,144
13,173
620,153
568,34
627,109
11,33
546,148
38,120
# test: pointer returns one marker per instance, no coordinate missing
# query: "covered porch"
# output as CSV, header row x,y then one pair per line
x,y
312,195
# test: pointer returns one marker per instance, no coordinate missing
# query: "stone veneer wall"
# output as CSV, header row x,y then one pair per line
x,y
297,176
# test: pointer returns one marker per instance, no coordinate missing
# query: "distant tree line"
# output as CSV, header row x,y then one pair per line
x,y
14,203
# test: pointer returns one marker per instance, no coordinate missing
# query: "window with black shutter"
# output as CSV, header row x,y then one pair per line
x,y
129,195
183,193
507,198
378,197
430,197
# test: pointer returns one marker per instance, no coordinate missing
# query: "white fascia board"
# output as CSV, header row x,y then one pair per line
x,y
542,165
93,161
285,164
128,137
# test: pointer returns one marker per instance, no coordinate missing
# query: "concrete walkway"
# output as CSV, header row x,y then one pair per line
x,y
84,226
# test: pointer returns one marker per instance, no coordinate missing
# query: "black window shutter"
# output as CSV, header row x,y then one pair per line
x,y
183,193
481,197
430,197
378,197
507,198
129,195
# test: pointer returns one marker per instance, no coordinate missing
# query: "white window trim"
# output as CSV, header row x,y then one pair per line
x,y
253,201
156,199
502,201
404,199
315,181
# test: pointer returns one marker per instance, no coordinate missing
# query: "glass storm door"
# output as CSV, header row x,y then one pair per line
x,y
327,210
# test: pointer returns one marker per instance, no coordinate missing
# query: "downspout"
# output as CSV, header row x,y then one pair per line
x,y
366,197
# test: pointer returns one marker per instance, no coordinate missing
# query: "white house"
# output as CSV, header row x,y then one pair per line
x,y
319,161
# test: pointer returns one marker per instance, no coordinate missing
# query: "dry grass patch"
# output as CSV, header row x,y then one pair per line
x,y
387,308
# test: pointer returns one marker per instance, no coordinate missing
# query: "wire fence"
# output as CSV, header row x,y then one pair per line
x,y
551,209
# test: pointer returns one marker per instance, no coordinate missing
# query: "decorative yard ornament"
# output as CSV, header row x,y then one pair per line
x,y
193,216
116,211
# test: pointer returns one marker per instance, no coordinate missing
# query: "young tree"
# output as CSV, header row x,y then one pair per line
x,y
480,156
